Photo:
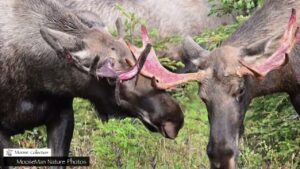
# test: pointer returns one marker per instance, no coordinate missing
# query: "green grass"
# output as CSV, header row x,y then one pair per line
x,y
272,134
128,144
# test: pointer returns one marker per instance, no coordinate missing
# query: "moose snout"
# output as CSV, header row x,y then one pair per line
x,y
170,130
221,155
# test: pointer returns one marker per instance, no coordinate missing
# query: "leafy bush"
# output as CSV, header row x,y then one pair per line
x,y
32,139
212,39
237,7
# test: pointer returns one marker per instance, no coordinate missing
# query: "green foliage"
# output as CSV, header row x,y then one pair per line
x,y
133,22
237,7
32,139
212,39
170,64
272,132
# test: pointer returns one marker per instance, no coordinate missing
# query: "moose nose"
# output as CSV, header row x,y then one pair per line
x,y
170,130
220,154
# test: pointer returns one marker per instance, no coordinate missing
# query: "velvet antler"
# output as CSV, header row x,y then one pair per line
x,y
162,78
279,57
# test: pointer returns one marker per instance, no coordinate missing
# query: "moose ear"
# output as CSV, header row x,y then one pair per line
x,y
120,28
61,41
262,47
194,56
192,49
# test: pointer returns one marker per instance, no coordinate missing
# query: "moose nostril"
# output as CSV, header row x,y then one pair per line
x,y
216,164
170,130
228,152
221,155
222,152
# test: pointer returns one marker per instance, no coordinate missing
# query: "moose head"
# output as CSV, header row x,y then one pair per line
x,y
94,52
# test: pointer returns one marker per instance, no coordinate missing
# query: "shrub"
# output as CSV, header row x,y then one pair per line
x,y
236,7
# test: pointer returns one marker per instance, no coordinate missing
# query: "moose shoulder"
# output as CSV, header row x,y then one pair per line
x,y
49,55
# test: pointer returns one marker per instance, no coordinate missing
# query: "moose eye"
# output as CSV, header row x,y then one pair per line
x,y
113,48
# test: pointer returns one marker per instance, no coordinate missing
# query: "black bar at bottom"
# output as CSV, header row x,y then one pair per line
x,y
46,161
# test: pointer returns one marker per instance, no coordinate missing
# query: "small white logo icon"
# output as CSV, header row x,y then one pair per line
x,y
9,152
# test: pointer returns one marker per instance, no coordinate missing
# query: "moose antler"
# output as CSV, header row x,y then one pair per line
x,y
162,78
107,68
279,57
129,74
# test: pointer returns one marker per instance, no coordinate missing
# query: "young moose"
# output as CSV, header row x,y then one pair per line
x,y
258,59
39,43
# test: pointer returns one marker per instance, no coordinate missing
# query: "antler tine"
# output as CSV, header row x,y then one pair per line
x,y
181,79
145,36
138,66
294,40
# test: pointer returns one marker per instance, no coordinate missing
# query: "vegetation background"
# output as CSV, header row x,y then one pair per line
x,y
272,128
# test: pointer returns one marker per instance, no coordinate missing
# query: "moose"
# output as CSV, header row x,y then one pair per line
x,y
176,17
245,66
49,55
